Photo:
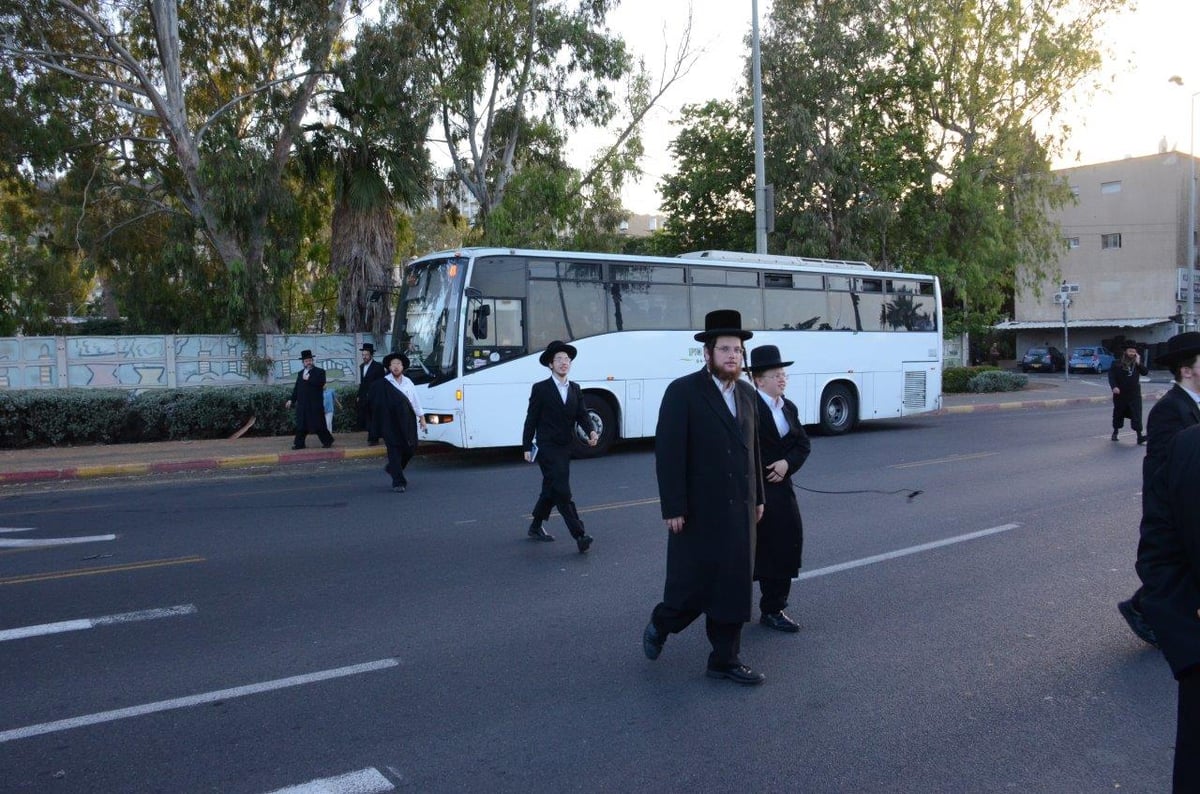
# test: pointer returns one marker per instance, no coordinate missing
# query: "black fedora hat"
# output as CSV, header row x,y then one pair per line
x,y
553,349
723,322
305,354
1179,347
367,347
765,357
390,357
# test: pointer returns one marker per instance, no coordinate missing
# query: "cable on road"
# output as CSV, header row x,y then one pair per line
x,y
912,494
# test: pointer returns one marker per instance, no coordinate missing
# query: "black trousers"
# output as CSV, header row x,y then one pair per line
x,y
725,638
1131,409
322,433
1186,777
555,463
398,458
774,594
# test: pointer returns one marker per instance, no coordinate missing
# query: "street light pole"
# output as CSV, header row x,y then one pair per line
x,y
1189,315
760,169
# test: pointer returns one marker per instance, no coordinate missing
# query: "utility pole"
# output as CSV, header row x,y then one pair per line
x,y
1065,291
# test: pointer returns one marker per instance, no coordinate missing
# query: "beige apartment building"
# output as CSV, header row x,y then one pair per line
x,y
1126,248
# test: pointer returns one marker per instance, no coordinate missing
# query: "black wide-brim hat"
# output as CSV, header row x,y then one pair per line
x,y
723,322
367,347
553,349
765,357
390,357
305,354
1179,347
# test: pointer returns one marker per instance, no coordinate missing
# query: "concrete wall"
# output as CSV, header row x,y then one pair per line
x,y
164,362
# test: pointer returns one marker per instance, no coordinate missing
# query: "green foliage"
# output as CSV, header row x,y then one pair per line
x,y
94,416
997,380
956,380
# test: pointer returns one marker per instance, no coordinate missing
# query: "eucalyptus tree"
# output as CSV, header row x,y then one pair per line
x,y
192,109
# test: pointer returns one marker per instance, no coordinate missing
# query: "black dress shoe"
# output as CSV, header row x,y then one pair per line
x,y
1114,435
327,446
652,641
779,621
1141,439
295,446
398,489
738,673
536,532
584,542
1137,622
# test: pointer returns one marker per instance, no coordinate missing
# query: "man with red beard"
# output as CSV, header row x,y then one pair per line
x,y
710,487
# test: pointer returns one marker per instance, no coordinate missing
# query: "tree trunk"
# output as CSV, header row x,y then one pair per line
x,y
363,247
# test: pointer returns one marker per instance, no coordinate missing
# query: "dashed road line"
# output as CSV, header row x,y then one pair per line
x,y
891,555
91,623
193,700
130,566
364,781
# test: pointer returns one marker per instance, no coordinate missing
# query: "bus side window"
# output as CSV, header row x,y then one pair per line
x,y
498,322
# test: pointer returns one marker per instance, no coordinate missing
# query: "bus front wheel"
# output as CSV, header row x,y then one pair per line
x,y
605,422
839,410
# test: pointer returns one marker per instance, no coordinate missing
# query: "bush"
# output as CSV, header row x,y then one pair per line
x,y
60,417
997,380
955,379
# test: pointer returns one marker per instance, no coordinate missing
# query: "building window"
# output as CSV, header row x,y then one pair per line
x,y
1110,187
1072,242
1110,241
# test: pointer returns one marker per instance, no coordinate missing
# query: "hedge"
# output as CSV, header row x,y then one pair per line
x,y
63,417
989,381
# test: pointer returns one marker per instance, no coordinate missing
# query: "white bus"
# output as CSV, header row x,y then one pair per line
x,y
866,344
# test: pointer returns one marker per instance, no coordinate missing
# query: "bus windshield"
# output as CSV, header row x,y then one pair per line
x,y
427,318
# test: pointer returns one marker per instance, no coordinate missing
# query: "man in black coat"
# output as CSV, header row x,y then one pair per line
x,y
310,405
1124,378
1176,410
368,372
395,417
555,407
1169,566
710,489
785,447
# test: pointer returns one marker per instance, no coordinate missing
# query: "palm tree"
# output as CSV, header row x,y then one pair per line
x,y
375,150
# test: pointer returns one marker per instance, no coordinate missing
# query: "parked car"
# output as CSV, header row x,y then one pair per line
x,y
1096,359
1043,359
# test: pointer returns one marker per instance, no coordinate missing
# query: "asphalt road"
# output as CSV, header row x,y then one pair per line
x,y
250,633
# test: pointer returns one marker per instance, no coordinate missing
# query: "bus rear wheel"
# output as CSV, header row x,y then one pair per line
x,y
605,421
839,410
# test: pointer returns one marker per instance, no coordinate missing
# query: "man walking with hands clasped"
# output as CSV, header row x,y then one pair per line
x,y
710,487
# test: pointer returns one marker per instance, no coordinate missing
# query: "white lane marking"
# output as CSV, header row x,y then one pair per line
x,y
15,529
192,700
364,781
91,623
33,543
467,521
891,555
949,459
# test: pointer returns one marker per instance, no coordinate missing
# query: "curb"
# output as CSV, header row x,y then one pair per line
x,y
1063,402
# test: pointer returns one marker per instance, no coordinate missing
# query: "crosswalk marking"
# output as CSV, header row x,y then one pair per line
x,y
891,555
364,781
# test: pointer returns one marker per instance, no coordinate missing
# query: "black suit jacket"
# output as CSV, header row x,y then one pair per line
x,y
308,400
1174,411
1169,552
550,419
375,371
781,531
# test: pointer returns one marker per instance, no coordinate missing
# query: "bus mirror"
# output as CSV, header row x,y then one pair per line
x,y
479,322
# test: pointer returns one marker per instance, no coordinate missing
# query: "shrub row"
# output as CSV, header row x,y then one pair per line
x,y
62,417
956,380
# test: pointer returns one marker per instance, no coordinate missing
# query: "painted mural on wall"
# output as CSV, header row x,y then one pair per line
x,y
159,362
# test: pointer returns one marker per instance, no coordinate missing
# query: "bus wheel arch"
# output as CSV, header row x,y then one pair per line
x,y
838,411
601,407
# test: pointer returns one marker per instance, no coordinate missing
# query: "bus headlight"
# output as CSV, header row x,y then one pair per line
x,y
439,419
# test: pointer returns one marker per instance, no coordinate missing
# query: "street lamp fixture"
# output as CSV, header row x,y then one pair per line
x,y
1190,313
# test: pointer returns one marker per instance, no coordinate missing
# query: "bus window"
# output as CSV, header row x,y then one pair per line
x,y
499,276
647,297
747,301
564,309
501,328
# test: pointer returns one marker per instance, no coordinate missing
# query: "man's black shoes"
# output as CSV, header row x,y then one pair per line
x,y
652,641
1137,622
1141,439
584,542
537,533
738,673
1114,435
779,621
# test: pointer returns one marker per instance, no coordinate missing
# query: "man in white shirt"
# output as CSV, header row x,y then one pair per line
x,y
395,417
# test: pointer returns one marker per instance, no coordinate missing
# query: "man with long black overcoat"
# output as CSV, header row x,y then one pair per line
x,y
1176,410
395,418
1125,380
1169,566
369,371
308,397
710,489
785,447
555,407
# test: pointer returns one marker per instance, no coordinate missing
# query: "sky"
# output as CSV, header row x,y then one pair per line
x,y
1137,109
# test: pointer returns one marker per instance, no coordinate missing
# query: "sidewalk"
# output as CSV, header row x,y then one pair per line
x,y
116,460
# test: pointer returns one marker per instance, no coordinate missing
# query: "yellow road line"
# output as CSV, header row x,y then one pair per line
x,y
132,566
